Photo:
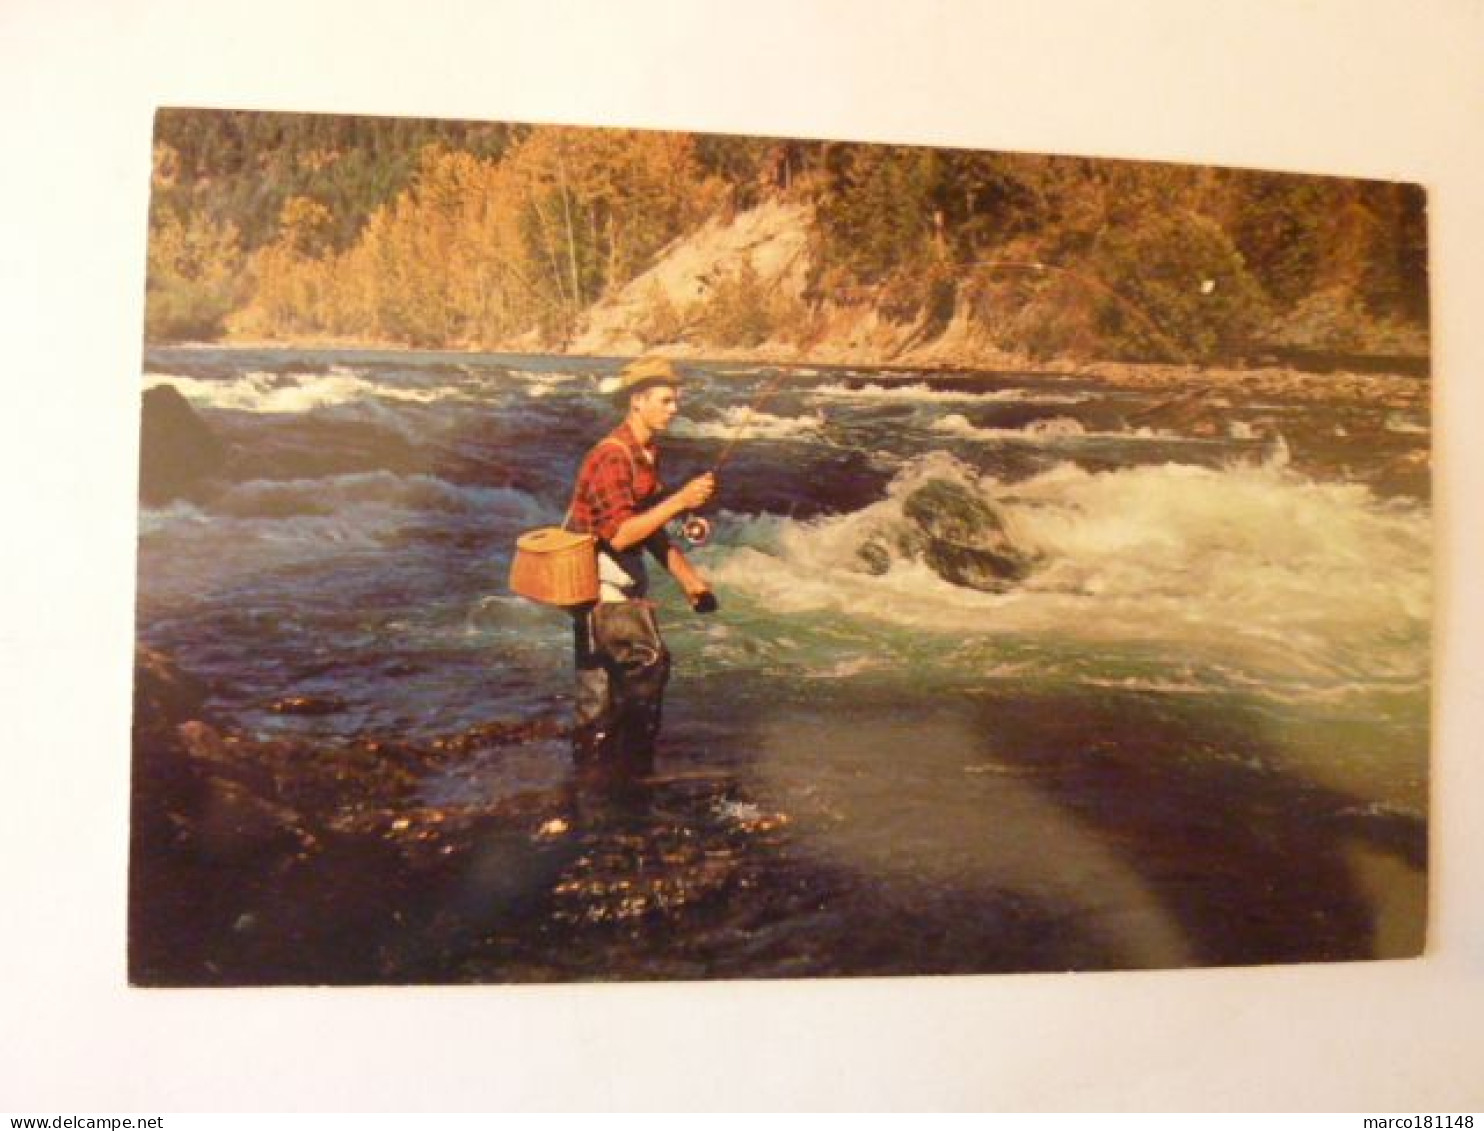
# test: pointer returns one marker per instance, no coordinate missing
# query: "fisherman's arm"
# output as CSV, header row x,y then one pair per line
x,y
697,588
639,527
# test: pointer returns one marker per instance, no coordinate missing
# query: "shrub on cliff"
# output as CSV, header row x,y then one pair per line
x,y
739,311
663,322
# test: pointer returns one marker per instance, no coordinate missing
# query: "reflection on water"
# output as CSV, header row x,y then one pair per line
x,y
984,834
918,811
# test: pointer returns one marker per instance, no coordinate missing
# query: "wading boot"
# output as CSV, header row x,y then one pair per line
x,y
627,643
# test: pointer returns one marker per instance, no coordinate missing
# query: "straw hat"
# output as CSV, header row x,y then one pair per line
x,y
639,374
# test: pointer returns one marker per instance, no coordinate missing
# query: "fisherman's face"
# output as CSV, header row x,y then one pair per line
x,y
656,407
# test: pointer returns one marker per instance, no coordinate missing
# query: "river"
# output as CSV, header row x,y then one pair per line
x,y
1194,732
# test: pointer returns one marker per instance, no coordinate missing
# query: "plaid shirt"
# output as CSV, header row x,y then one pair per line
x,y
617,481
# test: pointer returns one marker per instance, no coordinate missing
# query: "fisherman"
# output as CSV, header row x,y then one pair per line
x,y
622,662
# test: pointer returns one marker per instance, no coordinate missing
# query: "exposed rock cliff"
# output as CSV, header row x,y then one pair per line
x,y
664,306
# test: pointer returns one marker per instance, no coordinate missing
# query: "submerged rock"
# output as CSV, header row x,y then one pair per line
x,y
956,533
1193,412
309,705
234,824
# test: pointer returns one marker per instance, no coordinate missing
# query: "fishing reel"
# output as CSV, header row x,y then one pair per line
x,y
695,530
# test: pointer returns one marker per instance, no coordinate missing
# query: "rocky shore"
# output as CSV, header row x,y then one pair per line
x,y
295,861
290,860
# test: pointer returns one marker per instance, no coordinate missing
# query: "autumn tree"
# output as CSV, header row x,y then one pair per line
x,y
295,273
479,235
594,206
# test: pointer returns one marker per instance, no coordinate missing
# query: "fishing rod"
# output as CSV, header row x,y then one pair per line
x,y
695,528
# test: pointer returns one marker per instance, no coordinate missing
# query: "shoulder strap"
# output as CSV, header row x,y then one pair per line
x,y
628,451
633,470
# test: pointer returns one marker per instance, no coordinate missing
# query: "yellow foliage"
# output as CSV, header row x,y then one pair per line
x,y
743,309
194,270
476,252
196,250
305,225
165,170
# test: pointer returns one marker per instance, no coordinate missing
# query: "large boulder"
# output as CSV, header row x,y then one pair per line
x,y
964,540
178,453
957,533
205,841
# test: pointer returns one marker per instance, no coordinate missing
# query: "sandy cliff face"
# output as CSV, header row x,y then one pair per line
x,y
772,239
663,309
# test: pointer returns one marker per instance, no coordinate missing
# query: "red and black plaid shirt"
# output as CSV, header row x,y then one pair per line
x,y
619,479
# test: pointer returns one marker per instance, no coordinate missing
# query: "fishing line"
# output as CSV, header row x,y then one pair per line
x,y
1039,267
764,396
694,528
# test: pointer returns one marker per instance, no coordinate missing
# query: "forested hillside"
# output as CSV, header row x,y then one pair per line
x,y
279,227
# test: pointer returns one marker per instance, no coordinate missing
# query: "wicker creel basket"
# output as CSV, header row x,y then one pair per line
x,y
555,567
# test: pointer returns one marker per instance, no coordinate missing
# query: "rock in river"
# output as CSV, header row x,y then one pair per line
x,y
178,453
955,532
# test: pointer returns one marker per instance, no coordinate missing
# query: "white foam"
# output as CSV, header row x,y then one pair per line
x,y
542,376
158,519
274,393
539,384
261,526
1050,430
1251,566
418,494
924,393
735,422
358,508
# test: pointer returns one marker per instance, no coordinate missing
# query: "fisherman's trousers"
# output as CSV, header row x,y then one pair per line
x,y
622,668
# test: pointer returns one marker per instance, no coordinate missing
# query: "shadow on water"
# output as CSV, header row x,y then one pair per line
x,y
1251,862
1050,831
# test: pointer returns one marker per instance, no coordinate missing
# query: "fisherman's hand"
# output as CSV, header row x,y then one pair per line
x,y
696,588
697,492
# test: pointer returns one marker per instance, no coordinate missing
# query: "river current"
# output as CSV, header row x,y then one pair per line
x,y
1195,731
